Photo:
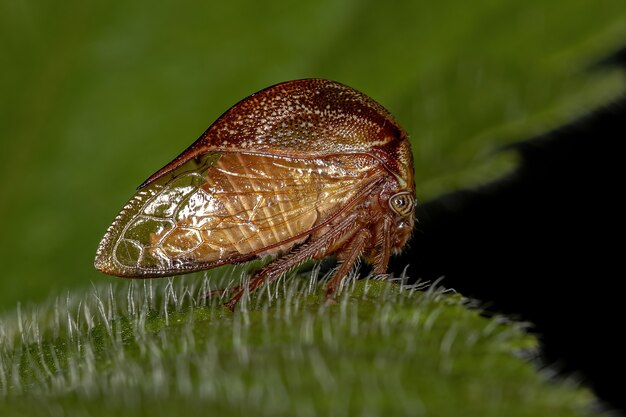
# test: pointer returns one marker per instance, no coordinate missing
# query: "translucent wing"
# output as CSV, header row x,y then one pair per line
x,y
228,207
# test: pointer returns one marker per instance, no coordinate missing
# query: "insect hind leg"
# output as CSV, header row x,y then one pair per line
x,y
348,258
315,247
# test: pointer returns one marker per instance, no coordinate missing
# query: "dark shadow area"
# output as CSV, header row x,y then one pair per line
x,y
615,59
545,245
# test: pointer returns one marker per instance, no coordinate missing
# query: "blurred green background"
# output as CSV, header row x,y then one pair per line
x,y
98,95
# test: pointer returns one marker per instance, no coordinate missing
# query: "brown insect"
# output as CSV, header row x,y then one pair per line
x,y
301,170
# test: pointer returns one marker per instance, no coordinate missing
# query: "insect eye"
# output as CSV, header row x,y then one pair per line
x,y
402,203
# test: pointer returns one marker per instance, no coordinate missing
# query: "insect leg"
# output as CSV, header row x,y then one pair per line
x,y
348,258
293,259
383,242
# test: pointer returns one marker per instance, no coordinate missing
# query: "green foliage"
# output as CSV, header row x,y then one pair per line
x,y
158,349
98,95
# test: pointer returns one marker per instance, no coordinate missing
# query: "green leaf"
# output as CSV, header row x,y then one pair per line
x,y
382,349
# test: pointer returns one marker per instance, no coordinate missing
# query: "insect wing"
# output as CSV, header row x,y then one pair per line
x,y
226,207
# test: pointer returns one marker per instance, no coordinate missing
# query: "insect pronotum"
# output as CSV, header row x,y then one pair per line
x,y
301,170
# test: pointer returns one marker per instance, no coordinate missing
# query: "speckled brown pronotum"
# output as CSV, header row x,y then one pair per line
x,y
301,170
